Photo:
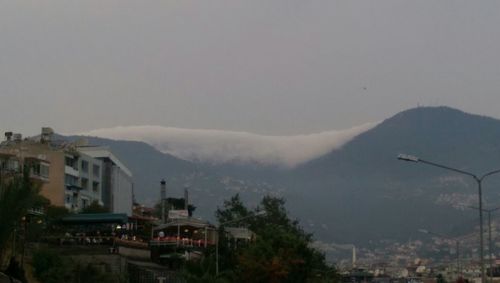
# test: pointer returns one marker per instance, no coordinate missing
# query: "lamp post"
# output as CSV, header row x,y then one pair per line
x,y
479,181
258,213
457,246
490,249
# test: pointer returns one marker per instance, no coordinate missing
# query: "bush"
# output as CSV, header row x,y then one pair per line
x,y
15,270
49,267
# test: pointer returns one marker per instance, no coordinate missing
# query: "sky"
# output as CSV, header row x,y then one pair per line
x,y
288,67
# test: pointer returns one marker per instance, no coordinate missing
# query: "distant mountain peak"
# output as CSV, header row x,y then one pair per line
x,y
435,112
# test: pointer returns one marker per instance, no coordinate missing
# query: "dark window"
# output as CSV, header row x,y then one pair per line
x,y
95,187
96,170
85,183
85,166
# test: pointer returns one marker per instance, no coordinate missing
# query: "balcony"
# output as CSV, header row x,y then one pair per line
x,y
36,211
71,171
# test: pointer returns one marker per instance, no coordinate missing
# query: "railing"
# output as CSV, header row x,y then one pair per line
x,y
187,242
36,211
83,240
131,243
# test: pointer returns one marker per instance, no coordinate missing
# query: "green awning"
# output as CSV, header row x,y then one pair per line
x,y
96,218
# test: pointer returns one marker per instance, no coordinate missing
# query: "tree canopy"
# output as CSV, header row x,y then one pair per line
x,y
17,194
281,251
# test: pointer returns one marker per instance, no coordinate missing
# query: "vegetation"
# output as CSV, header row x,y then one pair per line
x,y
17,195
50,267
280,253
53,216
15,270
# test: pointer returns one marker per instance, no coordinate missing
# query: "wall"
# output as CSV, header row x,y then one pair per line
x,y
135,253
122,186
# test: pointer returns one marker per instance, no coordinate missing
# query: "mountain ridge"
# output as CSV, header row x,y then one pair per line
x,y
358,192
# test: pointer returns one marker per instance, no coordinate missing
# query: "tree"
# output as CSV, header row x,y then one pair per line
x,y
440,278
203,271
50,267
281,252
17,195
231,210
15,270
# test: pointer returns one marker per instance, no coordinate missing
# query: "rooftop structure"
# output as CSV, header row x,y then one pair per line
x,y
182,239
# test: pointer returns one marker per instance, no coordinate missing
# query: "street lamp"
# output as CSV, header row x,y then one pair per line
x,y
489,211
258,213
457,244
479,180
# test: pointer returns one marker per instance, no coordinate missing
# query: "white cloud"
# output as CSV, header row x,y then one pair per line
x,y
218,146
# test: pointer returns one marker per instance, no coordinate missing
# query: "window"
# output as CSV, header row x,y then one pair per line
x,y
95,187
44,170
85,166
35,169
12,165
41,170
71,162
96,170
85,203
85,183
68,199
70,180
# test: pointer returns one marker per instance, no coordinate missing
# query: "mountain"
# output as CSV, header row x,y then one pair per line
x,y
209,185
358,193
369,194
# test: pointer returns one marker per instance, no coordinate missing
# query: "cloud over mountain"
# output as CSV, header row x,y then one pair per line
x,y
218,146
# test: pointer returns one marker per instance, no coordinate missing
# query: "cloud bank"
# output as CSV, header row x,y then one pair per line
x,y
218,146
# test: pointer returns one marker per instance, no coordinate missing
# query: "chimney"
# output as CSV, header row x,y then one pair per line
x,y
163,189
186,198
8,136
163,196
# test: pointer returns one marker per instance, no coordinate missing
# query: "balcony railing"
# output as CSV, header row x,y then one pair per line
x,y
36,211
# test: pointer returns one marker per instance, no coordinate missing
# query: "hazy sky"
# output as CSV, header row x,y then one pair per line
x,y
268,67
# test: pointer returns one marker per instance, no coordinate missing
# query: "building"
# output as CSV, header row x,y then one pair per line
x,y
10,166
73,175
117,183
83,180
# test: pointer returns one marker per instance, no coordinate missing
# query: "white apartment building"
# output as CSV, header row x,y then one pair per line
x,y
83,180
116,179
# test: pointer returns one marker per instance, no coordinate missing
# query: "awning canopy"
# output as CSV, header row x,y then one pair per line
x,y
96,218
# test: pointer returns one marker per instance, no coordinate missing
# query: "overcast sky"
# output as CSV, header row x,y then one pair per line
x,y
268,67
